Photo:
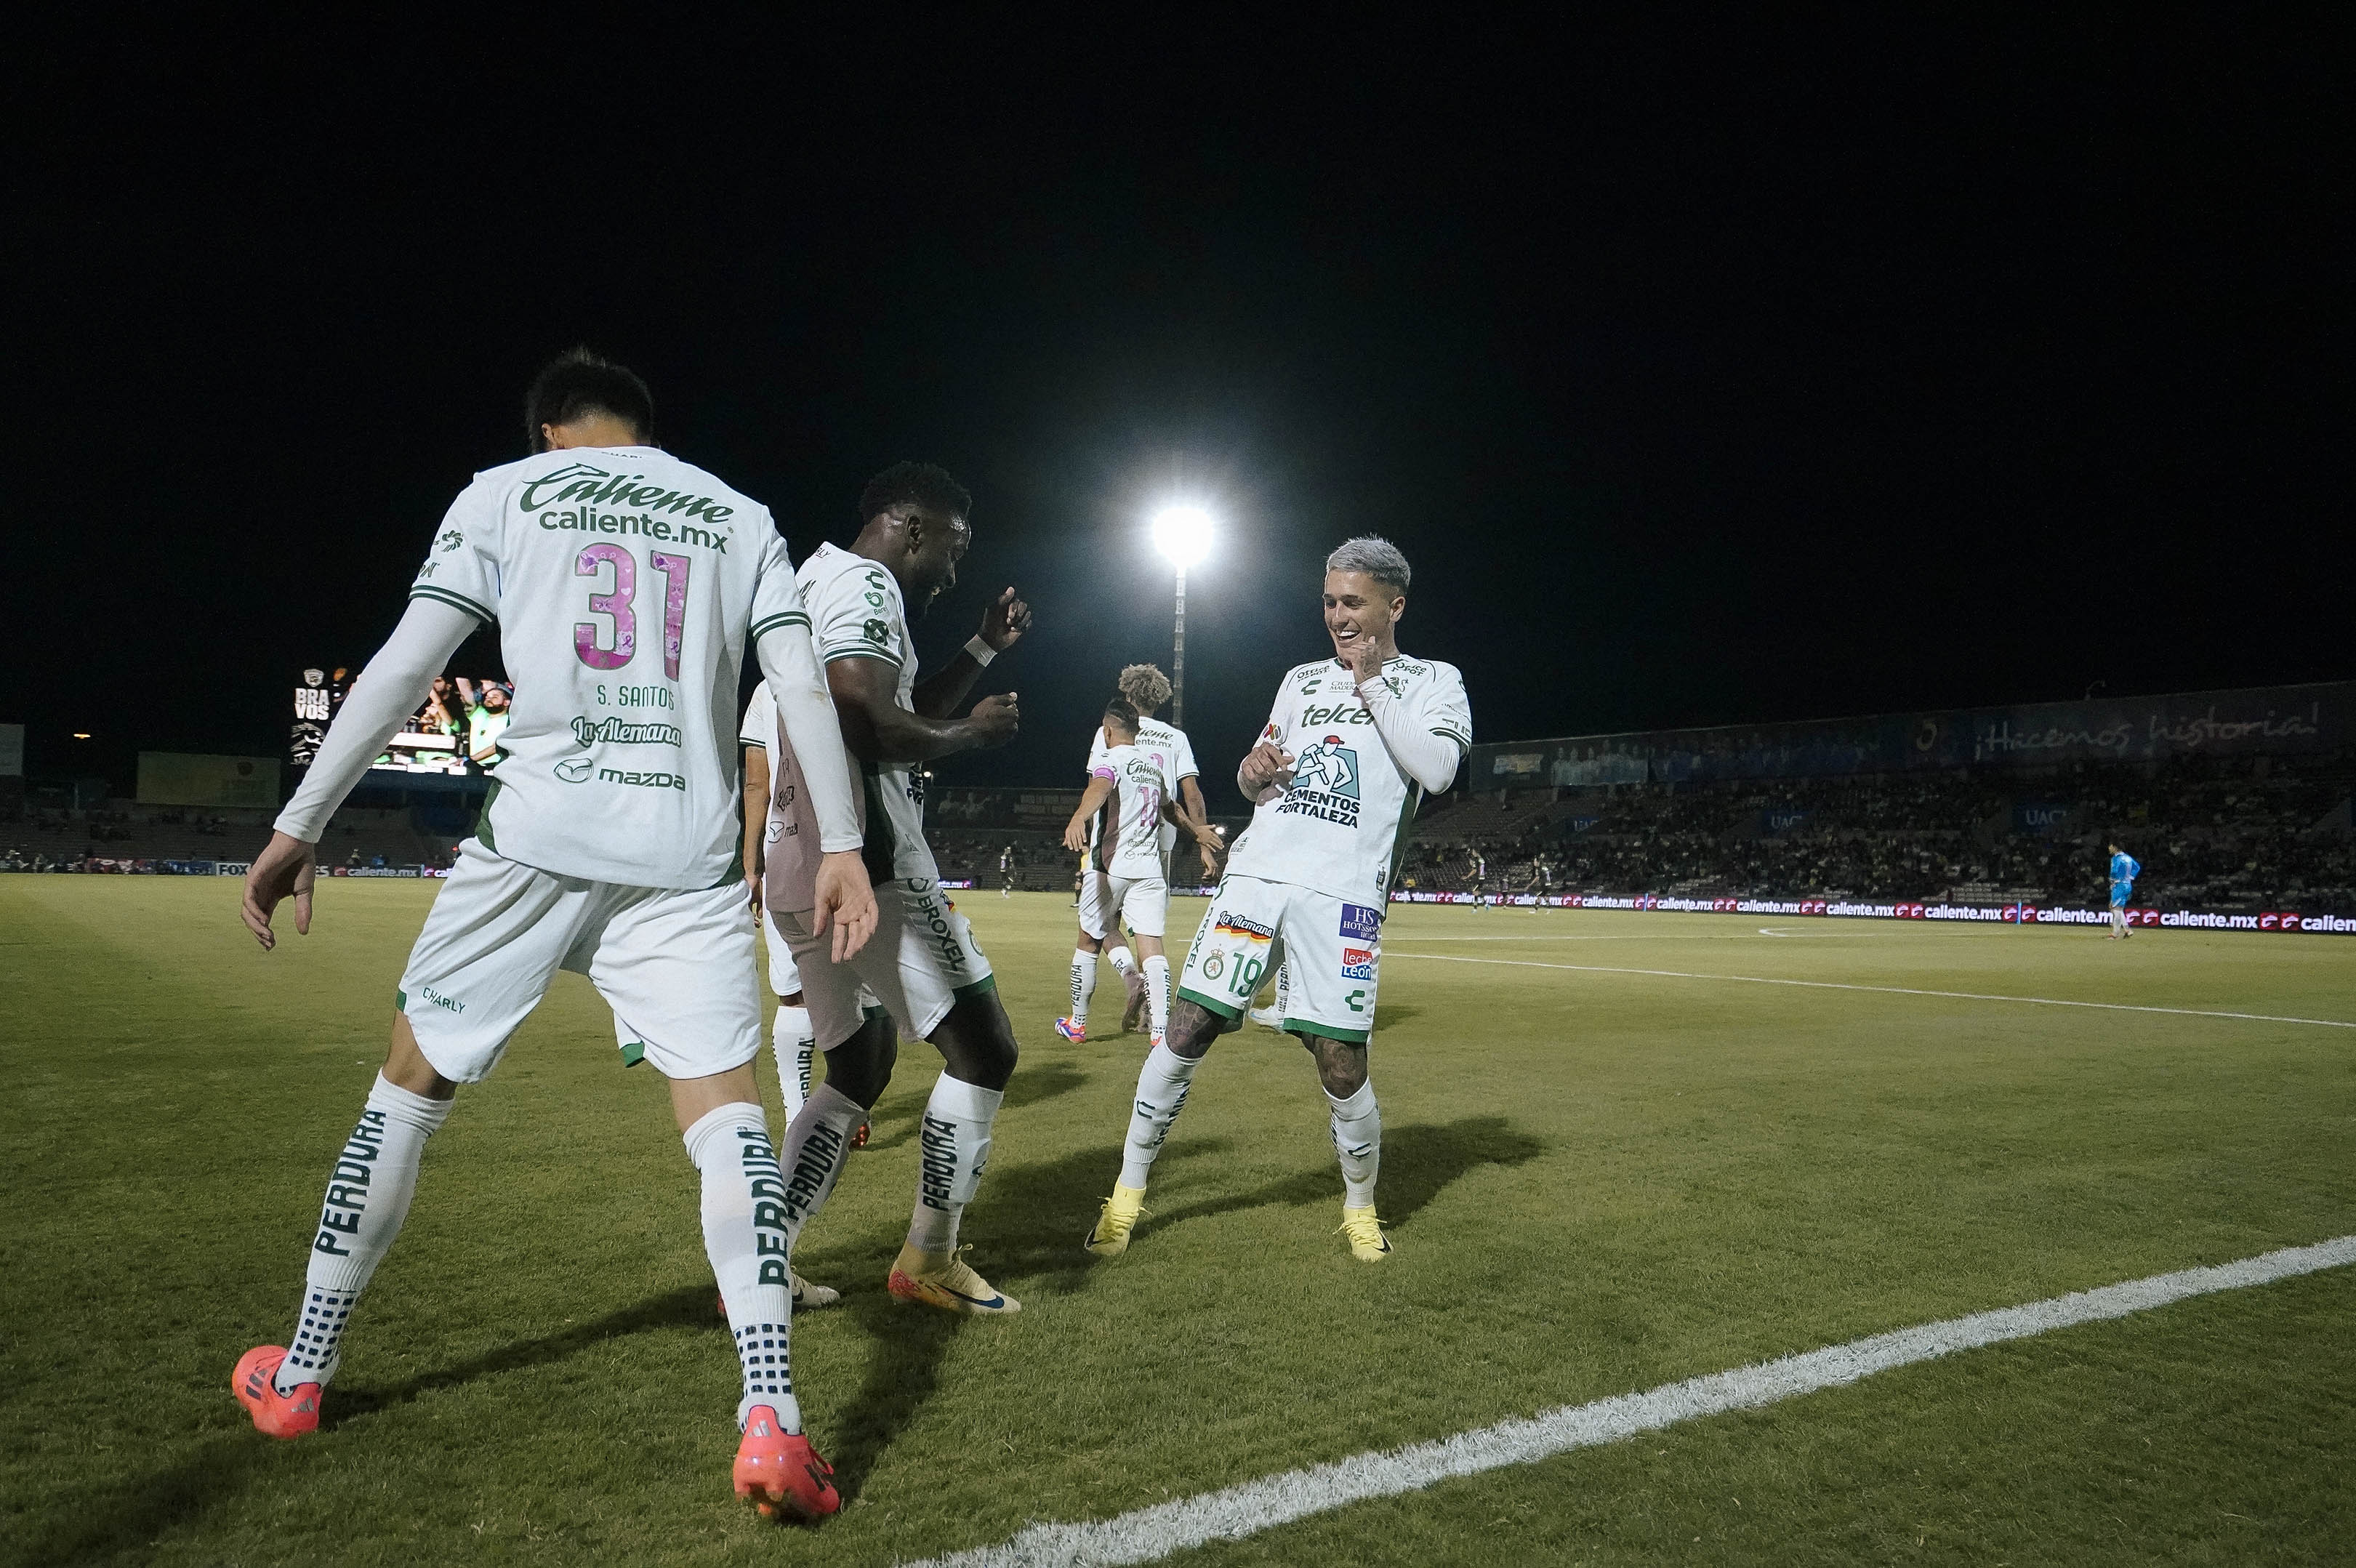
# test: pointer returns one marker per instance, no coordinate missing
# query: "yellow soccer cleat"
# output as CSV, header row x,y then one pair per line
x,y
1109,1238
1367,1243
946,1281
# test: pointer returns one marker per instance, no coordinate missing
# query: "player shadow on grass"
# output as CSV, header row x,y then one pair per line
x,y
1028,1241
134,1512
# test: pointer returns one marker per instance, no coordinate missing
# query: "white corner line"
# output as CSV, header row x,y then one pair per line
x,y
1148,1534
1886,990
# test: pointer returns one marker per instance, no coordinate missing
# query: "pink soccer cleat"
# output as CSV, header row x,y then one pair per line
x,y
274,1414
778,1470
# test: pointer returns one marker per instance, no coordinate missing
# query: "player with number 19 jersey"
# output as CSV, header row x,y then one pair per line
x,y
624,583
1338,828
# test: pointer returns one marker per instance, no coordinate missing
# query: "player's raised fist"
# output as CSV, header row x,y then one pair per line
x,y
995,719
1004,622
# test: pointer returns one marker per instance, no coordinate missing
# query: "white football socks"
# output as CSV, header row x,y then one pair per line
x,y
1121,959
955,1146
815,1146
368,1198
1084,984
1161,1086
1157,992
1358,1140
794,1047
744,1236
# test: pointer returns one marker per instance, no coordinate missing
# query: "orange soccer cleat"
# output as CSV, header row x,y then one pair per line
x,y
274,1414
779,1470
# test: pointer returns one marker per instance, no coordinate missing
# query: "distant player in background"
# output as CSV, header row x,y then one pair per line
x,y
1006,871
1351,745
577,864
1132,887
2125,869
1479,880
1146,688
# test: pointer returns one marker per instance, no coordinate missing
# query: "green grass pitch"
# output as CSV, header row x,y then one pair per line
x,y
1599,1183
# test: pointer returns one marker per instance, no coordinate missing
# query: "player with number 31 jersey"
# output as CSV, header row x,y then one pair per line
x,y
626,587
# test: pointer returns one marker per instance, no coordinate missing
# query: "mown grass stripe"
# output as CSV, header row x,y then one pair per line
x,y
1150,1534
1887,990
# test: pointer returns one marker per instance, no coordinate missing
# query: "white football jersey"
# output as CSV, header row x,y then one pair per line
x,y
856,612
1139,789
1171,751
627,585
1339,826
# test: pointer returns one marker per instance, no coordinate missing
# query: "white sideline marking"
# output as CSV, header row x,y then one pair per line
x,y
1234,1512
1888,990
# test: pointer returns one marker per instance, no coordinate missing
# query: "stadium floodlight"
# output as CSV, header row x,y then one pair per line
x,y
1183,534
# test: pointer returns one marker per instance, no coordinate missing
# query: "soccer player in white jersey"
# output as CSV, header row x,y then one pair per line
x,y
1146,688
1351,747
626,586
1133,781
924,969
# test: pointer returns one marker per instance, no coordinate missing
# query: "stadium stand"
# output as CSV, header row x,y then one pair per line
x,y
126,837
2217,833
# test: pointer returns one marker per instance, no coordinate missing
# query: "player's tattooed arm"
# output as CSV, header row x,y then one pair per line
x,y
878,729
1092,799
1002,626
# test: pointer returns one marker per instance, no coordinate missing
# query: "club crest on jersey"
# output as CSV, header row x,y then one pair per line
x,y
1362,922
1357,963
876,631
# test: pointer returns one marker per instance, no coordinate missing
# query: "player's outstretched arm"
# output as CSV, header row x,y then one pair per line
x,y
1092,799
846,901
1002,626
393,686
876,728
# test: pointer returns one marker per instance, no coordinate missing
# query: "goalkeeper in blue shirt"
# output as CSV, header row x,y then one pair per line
x,y
2125,869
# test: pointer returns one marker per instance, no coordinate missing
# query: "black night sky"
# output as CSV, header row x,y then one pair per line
x,y
1719,374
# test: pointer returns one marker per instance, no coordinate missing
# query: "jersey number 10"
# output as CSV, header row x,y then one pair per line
x,y
616,602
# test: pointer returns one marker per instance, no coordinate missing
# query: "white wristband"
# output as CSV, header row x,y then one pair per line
x,y
982,652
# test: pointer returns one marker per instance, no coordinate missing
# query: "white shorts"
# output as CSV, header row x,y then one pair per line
x,y
783,978
1142,901
921,962
1332,949
676,966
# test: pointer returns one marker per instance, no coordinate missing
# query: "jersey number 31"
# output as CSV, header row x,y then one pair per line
x,y
616,602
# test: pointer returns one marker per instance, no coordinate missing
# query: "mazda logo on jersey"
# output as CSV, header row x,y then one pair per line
x,y
576,769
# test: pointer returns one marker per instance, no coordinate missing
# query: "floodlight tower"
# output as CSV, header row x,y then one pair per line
x,y
1183,534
